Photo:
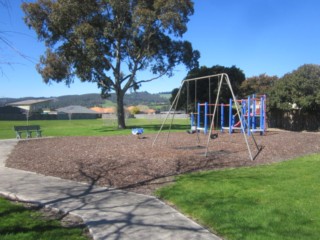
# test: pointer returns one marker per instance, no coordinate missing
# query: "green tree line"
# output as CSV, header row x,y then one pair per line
x,y
297,92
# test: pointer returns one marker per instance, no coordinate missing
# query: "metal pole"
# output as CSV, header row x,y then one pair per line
x,y
214,113
205,117
261,116
198,116
254,102
192,121
243,112
187,110
28,117
230,116
265,113
249,117
175,99
174,112
222,117
237,107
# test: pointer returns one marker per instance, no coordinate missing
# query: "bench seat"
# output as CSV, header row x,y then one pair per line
x,y
28,130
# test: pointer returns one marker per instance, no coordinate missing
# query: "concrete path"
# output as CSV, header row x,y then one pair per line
x,y
6,146
109,214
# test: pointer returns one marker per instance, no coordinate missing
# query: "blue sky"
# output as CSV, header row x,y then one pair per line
x,y
258,36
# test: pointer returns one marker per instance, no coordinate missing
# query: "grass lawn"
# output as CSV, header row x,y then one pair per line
x,y
19,223
278,201
91,127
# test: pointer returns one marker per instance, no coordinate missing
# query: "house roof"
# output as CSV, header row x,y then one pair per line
x,y
76,109
29,102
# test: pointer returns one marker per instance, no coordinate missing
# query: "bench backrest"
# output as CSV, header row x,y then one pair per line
x,y
27,128
34,127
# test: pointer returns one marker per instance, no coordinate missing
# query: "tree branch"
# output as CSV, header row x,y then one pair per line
x,y
133,73
107,83
107,62
151,79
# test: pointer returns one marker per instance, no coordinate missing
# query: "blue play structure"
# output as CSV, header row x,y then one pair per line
x,y
253,116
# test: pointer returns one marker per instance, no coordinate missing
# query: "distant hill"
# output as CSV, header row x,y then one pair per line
x,y
91,100
85,100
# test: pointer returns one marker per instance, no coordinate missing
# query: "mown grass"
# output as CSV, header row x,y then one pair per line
x,y
90,127
18,222
278,201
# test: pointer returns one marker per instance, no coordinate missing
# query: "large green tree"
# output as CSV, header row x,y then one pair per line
x,y
206,90
109,41
299,89
261,84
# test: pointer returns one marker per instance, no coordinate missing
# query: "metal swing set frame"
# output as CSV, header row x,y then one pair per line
x,y
221,78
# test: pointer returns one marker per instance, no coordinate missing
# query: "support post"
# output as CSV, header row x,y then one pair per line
x,y
261,116
198,117
192,121
205,118
175,101
238,112
222,117
243,112
249,117
254,112
230,116
265,113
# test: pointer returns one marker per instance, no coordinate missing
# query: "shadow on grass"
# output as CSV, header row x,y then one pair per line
x,y
28,222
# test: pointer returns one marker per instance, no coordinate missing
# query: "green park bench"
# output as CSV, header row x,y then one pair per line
x,y
28,130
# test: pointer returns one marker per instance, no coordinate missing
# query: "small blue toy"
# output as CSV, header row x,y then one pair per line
x,y
137,131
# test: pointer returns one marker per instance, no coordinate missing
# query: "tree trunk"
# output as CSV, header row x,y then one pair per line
x,y
120,110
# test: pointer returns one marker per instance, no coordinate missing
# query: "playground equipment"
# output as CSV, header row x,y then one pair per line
x,y
253,110
253,114
223,77
137,132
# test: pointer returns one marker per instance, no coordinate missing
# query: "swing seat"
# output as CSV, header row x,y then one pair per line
x,y
214,135
191,131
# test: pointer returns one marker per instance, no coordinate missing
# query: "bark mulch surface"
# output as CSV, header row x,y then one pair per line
x,y
132,164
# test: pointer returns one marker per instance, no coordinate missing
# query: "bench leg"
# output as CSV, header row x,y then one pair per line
x,y
29,134
38,134
18,135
